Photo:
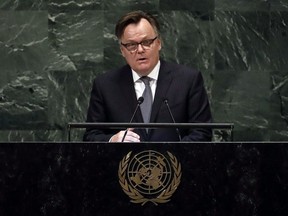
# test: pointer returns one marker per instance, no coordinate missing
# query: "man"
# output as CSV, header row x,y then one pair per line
x,y
114,94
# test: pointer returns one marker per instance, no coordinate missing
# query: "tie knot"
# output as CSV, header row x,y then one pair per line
x,y
146,80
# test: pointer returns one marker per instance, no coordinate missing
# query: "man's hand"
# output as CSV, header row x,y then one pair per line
x,y
129,137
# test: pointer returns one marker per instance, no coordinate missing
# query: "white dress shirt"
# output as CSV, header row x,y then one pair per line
x,y
140,86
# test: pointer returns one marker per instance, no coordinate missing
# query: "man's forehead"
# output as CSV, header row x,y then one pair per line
x,y
142,29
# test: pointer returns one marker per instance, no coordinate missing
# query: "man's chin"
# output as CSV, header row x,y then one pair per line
x,y
143,70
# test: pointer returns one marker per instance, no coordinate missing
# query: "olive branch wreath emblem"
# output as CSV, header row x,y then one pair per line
x,y
136,196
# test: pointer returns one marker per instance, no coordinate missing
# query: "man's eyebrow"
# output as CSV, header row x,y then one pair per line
x,y
144,39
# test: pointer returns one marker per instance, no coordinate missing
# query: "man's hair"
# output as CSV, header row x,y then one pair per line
x,y
134,17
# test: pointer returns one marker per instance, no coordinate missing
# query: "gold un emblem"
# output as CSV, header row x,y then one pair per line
x,y
149,176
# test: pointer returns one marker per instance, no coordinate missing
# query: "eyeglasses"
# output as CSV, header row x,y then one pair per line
x,y
133,46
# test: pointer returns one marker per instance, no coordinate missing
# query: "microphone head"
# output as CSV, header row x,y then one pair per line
x,y
165,100
140,100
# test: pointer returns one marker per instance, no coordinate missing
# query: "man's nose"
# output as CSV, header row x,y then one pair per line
x,y
140,48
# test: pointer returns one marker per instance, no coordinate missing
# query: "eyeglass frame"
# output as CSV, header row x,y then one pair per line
x,y
151,41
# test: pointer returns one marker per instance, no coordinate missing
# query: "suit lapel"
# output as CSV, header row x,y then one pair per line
x,y
128,91
163,84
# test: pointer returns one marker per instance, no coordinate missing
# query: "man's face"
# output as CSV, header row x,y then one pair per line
x,y
144,58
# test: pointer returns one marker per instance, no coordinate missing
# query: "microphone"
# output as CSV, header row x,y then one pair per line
x,y
139,102
171,115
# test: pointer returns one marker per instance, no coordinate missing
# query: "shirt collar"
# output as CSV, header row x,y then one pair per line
x,y
153,74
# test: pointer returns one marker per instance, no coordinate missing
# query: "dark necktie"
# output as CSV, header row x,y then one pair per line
x,y
147,103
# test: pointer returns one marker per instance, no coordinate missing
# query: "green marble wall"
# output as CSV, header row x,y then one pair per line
x,y
50,51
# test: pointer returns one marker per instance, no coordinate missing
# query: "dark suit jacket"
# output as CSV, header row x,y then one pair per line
x,y
113,99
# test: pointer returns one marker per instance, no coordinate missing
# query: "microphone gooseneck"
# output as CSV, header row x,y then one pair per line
x,y
139,102
172,117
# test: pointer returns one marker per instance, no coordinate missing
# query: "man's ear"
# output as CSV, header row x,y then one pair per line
x,y
159,44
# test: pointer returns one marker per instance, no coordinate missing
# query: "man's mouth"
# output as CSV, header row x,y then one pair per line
x,y
142,59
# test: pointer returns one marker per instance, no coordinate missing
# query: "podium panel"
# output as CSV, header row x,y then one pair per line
x,y
171,179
